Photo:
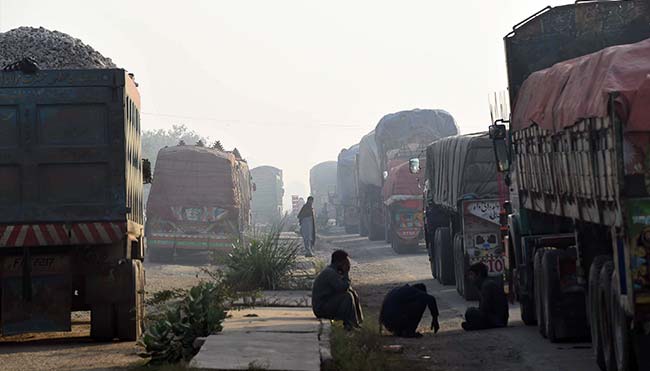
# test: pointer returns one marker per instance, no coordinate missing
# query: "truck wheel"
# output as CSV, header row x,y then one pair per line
x,y
527,306
641,343
605,315
102,322
537,294
594,308
130,312
432,260
550,291
459,263
620,330
363,227
375,233
445,256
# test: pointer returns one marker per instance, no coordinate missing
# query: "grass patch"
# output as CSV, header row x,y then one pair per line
x,y
262,261
360,350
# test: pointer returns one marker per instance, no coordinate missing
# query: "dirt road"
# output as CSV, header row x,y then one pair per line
x,y
75,350
376,269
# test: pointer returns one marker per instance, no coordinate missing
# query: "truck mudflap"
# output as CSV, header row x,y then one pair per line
x,y
482,233
61,234
36,297
637,277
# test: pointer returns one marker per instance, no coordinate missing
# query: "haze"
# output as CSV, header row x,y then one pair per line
x,y
291,83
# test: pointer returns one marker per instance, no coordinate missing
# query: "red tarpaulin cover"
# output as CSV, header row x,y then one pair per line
x,y
570,91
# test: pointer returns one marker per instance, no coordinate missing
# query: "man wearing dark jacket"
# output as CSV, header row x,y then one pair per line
x,y
332,295
492,311
403,308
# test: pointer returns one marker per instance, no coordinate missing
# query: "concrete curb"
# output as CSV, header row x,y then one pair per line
x,y
324,347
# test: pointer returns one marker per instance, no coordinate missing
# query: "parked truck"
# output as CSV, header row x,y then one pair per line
x,y
199,201
347,189
267,196
71,215
463,197
399,136
322,181
402,197
576,158
369,188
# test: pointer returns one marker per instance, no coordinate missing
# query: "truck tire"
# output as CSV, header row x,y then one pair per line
x,y
375,232
130,312
641,344
594,308
537,293
621,330
459,264
444,256
363,226
550,292
605,315
432,260
400,247
102,322
527,307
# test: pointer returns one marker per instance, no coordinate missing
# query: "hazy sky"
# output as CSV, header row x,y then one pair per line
x,y
291,83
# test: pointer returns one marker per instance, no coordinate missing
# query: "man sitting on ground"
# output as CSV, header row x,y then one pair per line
x,y
333,297
403,308
492,311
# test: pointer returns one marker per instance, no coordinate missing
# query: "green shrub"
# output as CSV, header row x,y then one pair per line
x,y
170,337
262,261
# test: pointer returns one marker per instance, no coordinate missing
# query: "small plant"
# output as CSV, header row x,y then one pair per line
x,y
201,312
261,261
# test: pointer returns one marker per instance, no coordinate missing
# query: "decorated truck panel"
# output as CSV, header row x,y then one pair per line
x,y
402,196
71,215
462,194
199,200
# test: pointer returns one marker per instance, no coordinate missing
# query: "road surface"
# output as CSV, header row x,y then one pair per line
x,y
376,269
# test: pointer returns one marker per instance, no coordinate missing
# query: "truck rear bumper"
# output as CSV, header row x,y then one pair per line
x,y
62,234
189,242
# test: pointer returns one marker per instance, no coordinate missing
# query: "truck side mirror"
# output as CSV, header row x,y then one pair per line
x,y
498,134
414,166
147,178
385,175
497,131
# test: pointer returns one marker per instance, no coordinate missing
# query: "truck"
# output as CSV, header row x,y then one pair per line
x,y
398,137
347,189
575,156
71,215
199,202
369,188
402,198
463,197
322,181
268,192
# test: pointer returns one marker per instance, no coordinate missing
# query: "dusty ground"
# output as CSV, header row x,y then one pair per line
x,y
75,350
376,269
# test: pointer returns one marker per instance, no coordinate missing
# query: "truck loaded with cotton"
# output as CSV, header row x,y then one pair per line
x,y
268,191
199,201
576,157
396,138
347,192
463,196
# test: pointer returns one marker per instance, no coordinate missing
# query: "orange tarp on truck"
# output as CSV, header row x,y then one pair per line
x,y
562,95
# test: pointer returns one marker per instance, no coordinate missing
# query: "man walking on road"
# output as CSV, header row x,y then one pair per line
x,y
492,311
308,226
403,308
333,297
